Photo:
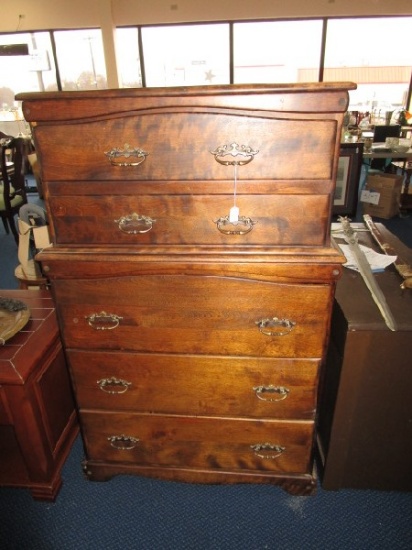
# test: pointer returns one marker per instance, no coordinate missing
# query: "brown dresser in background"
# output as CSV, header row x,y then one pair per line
x,y
365,414
38,421
194,339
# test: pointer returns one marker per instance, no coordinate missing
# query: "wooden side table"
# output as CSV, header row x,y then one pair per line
x,y
38,422
365,427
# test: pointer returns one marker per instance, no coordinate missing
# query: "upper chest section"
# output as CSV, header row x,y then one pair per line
x,y
189,134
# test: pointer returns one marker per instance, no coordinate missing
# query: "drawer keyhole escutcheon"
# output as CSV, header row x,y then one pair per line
x,y
271,393
113,385
135,224
120,157
275,326
267,451
103,321
123,442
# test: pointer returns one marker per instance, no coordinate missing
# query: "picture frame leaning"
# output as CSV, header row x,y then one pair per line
x,y
347,179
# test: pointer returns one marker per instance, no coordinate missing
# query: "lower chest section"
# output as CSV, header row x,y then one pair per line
x,y
195,372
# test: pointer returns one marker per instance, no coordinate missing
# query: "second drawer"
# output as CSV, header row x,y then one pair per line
x,y
189,219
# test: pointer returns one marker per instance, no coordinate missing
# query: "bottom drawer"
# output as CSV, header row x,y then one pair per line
x,y
196,442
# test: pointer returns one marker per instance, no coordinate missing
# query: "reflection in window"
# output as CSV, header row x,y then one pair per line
x,y
276,51
186,55
80,57
128,58
376,54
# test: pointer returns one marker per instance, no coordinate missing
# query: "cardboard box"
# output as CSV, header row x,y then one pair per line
x,y
382,195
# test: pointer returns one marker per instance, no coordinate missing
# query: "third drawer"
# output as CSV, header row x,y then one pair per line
x,y
179,384
194,314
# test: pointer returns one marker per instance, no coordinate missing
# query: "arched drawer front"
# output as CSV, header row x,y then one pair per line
x,y
178,145
195,314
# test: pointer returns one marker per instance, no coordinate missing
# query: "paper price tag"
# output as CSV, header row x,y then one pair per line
x,y
371,197
234,214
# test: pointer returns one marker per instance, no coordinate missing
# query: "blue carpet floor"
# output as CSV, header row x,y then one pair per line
x,y
137,513
143,514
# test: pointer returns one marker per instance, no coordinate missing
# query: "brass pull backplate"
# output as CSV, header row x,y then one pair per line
x,y
267,451
271,393
113,385
240,227
234,154
135,224
275,326
120,157
123,442
103,320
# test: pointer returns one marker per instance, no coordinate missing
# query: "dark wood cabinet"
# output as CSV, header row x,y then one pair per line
x,y
38,421
365,426
194,339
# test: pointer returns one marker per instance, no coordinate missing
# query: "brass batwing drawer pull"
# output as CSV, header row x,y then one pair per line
x,y
275,326
241,227
135,224
234,154
271,393
103,320
113,385
267,450
123,442
120,157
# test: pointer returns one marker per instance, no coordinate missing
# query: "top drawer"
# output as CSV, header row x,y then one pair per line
x,y
173,144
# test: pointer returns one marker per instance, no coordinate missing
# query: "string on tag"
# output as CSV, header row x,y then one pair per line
x,y
234,211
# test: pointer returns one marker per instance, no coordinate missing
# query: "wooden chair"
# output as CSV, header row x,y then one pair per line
x,y
12,182
35,168
31,280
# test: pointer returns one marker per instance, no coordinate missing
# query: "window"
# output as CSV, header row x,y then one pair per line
x,y
28,73
376,54
34,72
186,55
80,59
373,52
277,51
128,58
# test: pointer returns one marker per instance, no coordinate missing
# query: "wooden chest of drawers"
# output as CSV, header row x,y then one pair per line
x,y
195,339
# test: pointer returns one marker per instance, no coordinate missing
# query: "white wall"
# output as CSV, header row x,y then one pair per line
x,y
61,14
